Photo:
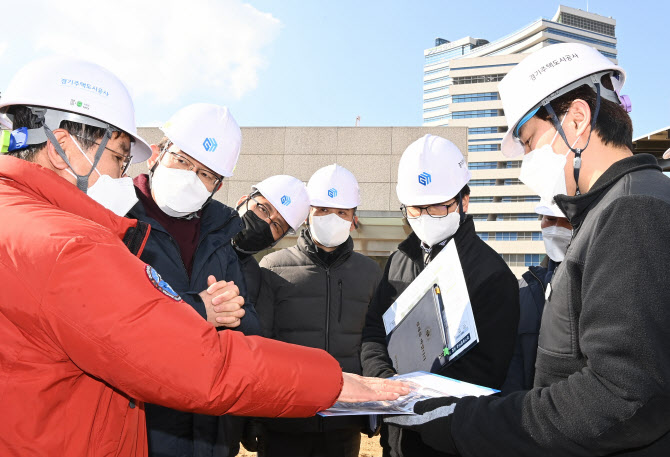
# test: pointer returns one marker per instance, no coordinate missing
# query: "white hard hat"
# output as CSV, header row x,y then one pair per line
x,y
546,208
431,170
81,91
288,195
333,187
209,134
547,74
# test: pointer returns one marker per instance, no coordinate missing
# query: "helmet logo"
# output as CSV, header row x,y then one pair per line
x,y
210,144
286,200
332,193
424,179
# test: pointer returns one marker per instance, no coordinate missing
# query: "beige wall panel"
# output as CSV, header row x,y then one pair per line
x,y
311,141
263,140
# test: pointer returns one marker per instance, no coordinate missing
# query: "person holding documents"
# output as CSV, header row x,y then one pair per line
x,y
556,234
602,381
432,187
316,294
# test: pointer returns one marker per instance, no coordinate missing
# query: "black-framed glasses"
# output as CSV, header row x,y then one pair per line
x,y
436,211
275,226
126,158
207,176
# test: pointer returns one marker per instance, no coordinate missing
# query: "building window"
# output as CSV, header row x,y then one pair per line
x,y
586,24
518,236
443,56
434,99
482,182
522,260
518,199
518,217
513,164
436,108
482,130
435,89
478,79
437,70
484,236
484,96
437,118
482,166
484,147
433,81
481,199
512,182
477,113
479,217
576,36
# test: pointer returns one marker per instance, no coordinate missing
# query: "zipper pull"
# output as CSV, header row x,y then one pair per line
x,y
339,317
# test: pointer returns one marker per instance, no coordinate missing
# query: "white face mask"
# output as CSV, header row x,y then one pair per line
x,y
556,241
432,230
330,230
178,193
115,194
544,171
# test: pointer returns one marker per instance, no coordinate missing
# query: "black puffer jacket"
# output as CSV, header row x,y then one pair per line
x,y
494,295
304,301
602,382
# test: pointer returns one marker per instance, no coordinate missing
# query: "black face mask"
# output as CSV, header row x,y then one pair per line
x,y
255,236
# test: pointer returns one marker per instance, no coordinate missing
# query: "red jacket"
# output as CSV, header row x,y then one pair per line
x,y
88,333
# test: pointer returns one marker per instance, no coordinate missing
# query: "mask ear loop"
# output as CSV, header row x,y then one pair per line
x,y
82,180
577,161
459,197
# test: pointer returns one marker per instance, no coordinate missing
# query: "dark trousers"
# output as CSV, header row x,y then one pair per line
x,y
335,443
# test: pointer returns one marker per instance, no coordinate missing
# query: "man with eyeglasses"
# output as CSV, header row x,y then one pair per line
x,y
276,207
190,247
432,187
316,294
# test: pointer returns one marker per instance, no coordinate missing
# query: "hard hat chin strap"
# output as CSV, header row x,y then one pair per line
x,y
82,180
577,161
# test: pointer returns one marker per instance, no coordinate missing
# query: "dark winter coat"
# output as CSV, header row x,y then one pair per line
x,y
602,382
176,433
494,295
532,287
304,301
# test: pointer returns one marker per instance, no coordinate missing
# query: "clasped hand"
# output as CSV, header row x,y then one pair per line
x,y
223,303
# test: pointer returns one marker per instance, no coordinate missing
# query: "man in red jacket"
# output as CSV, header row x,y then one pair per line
x,y
87,331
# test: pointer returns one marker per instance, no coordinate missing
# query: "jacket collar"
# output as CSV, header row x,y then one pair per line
x,y
307,246
47,186
576,208
411,246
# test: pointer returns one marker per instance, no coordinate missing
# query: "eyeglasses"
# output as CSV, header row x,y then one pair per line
x,y
124,158
436,211
277,229
208,177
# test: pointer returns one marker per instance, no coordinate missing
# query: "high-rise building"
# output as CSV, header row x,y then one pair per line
x,y
460,89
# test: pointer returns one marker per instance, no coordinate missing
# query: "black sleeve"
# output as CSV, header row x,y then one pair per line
x,y
265,307
495,305
375,360
620,400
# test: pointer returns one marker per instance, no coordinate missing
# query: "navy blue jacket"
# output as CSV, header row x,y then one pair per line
x,y
532,287
175,433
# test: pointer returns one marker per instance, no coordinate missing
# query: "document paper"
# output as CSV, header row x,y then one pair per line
x,y
444,270
423,386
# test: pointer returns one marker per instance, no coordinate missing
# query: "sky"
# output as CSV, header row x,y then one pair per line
x,y
309,63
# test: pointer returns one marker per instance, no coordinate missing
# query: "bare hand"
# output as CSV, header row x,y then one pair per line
x,y
359,388
223,303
